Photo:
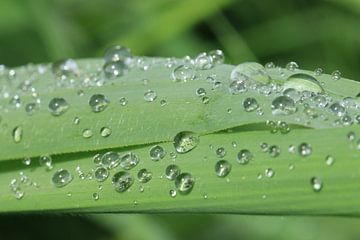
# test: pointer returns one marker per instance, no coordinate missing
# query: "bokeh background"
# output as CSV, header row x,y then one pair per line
x,y
314,33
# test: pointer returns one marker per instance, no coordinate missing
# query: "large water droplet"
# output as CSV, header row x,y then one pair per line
x,y
129,160
61,178
157,152
110,159
222,168
254,71
58,106
184,183
144,175
185,141
303,82
183,73
98,102
244,156
122,181
172,171
283,105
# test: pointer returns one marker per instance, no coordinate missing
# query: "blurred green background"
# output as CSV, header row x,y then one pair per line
x,y
314,33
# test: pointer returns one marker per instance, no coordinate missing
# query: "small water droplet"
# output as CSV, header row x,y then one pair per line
x,y
58,106
26,161
203,61
220,152
233,144
318,72
238,85
122,181
61,178
129,160
172,171
118,53
250,104
184,183
264,147
144,175
291,167
163,102
17,134
87,133
270,65
283,105
316,184
157,152
274,151
95,196
200,92
185,141
337,109
222,168
123,101
244,156
76,120
304,149
172,193
114,70
46,160
183,73
30,108
269,172
336,75
101,174
110,159
329,160
217,56
105,131
292,66
351,136
65,68
98,103
150,96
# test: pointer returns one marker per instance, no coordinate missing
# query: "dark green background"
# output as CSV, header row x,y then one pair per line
x,y
314,33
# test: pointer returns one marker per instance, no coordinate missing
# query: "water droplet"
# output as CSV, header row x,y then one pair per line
x,y
222,168
144,175
110,159
101,174
26,161
185,141
329,160
157,152
172,171
105,131
200,92
30,108
253,71
264,147
320,101
336,75
291,167
122,181
274,151
46,161
351,136
58,106
123,101
337,109
87,133
183,73
129,160
220,152
184,183
283,105
95,196
203,61
316,183
238,85
217,56
61,178
98,102
244,156
303,82
65,68
118,53
283,127
172,193
233,144
76,120
114,69
318,72
17,134
304,149
269,172
292,66
150,96
250,104
163,102
97,159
